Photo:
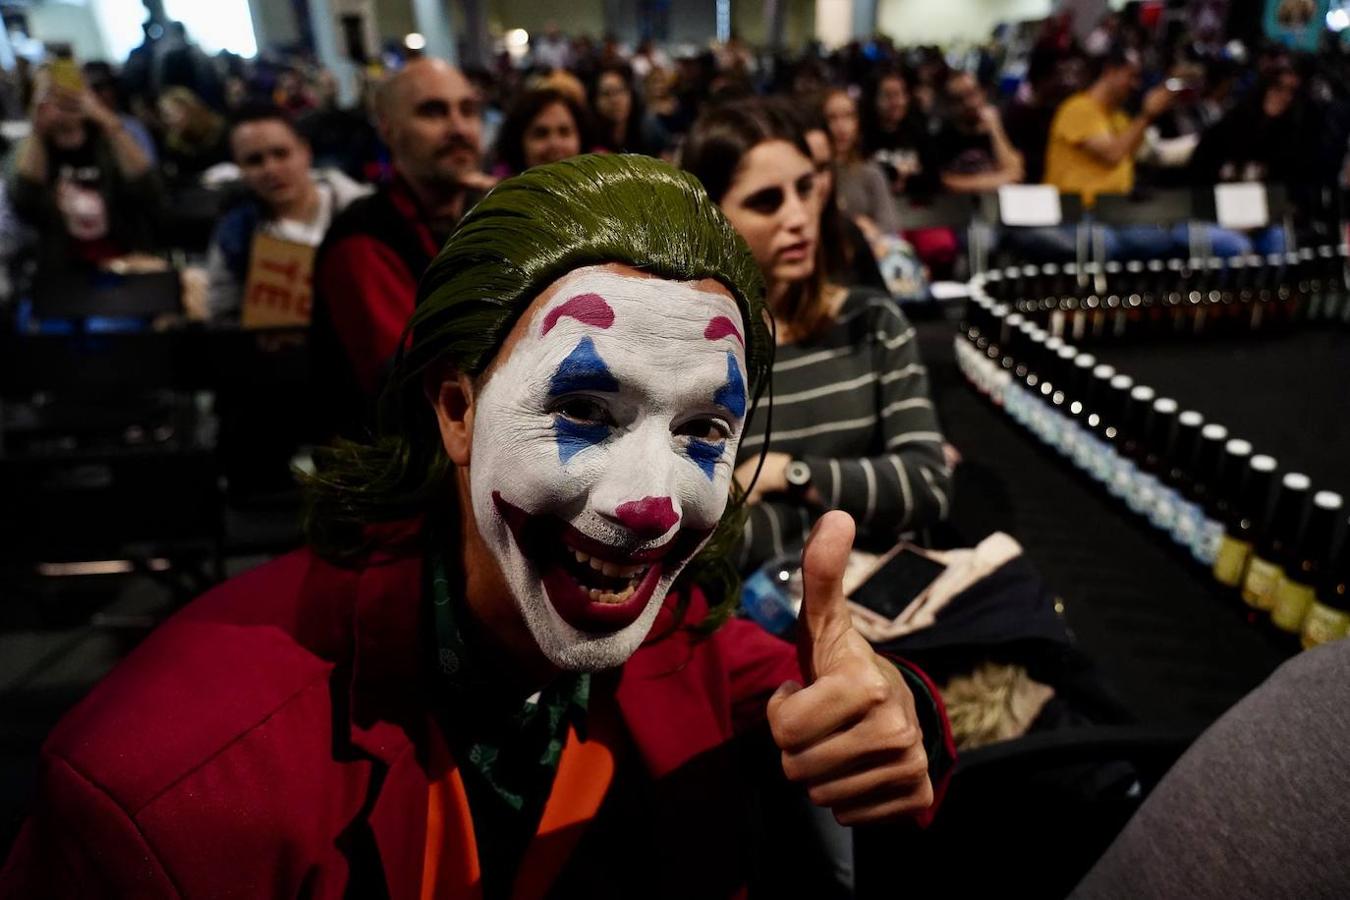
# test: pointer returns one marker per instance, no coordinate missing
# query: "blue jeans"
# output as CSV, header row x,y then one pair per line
x,y
1227,243
1039,245
1144,242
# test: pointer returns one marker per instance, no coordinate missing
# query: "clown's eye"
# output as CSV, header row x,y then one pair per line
x,y
584,409
711,430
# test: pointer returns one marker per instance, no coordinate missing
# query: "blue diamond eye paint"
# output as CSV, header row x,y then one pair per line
x,y
732,394
705,454
573,436
582,370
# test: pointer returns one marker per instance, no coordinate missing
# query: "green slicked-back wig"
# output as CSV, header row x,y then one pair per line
x,y
524,235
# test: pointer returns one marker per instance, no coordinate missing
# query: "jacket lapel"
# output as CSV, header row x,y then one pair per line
x,y
674,700
380,709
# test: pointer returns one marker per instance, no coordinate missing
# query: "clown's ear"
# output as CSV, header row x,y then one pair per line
x,y
451,395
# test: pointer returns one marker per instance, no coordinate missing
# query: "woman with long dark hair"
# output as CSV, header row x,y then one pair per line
x,y
623,123
896,138
853,425
849,259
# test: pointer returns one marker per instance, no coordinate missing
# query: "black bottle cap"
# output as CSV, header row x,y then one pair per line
x,y
1064,369
1233,471
1204,470
1161,427
1254,501
1080,384
1335,588
1118,400
1313,552
1036,352
1187,442
1050,359
1285,526
1099,394
1138,410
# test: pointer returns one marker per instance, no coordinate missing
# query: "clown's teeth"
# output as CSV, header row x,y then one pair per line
x,y
596,564
610,597
581,557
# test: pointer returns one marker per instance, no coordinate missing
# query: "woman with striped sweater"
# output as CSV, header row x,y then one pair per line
x,y
852,423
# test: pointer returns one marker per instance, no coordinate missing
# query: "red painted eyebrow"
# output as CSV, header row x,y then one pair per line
x,y
721,327
588,309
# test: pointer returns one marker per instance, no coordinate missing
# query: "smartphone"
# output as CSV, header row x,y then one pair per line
x,y
66,74
899,580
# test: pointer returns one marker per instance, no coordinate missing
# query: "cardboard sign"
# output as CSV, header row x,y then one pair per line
x,y
1241,205
280,283
1029,205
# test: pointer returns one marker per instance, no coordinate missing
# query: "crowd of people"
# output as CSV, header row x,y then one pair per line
x,y
115,146
807,157
418,300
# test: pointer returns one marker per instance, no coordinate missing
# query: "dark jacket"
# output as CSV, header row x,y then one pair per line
x,y
365,281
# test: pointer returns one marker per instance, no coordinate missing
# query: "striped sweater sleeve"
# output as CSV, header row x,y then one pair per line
x,y
905,486
908,484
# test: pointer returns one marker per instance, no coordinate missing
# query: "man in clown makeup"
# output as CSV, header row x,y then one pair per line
x,y
504,667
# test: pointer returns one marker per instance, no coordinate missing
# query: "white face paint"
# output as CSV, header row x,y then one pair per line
x,y
602,455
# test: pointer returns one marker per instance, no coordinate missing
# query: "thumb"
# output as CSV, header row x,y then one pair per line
x,y
785,690
824,616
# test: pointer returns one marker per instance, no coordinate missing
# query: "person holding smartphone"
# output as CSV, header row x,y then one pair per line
x,y
81,179
1093,143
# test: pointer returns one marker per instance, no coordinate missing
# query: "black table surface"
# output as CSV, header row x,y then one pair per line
x,y
83,295
1177,648
1288,393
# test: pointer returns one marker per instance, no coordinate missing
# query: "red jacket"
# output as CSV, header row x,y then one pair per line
x,y
273,740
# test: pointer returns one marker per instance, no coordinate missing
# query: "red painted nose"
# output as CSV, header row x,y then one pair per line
x,y
649,517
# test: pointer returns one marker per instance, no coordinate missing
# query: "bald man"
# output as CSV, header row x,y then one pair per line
x,y
367,269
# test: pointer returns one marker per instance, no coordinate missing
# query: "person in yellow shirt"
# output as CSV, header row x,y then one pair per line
x,y
1093,140
1092,147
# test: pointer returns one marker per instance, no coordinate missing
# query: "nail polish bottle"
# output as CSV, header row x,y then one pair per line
x,y
1275,542
1245,520
1329,616
1297,587
1176,468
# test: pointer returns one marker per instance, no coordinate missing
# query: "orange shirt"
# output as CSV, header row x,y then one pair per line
x,y
450,870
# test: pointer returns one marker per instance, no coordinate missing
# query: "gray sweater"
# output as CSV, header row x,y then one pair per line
x,y
1258,807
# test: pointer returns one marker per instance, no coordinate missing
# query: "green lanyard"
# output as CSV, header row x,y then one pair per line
x,y
530,737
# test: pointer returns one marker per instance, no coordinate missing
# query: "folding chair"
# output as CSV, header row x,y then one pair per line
x,y
1257,205
1165,208
1008,208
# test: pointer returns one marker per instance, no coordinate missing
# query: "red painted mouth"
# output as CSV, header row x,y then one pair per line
x,y
594,586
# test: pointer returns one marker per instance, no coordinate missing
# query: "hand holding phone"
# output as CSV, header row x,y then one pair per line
x,y
66,75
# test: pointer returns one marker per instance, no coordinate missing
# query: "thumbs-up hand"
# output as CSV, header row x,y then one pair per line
x,y
850,735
